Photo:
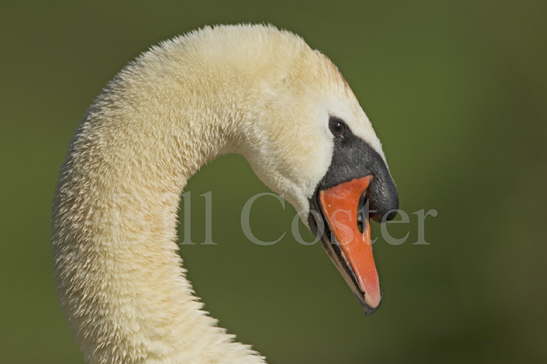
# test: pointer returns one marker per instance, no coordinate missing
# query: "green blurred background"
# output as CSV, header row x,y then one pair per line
x,y
457,92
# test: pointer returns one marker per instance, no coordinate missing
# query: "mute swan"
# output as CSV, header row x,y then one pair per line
x,y
248,89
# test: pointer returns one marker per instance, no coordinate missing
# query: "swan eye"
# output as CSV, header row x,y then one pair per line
x,y
337,126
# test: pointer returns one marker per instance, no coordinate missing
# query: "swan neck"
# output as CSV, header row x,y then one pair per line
x,y
120,276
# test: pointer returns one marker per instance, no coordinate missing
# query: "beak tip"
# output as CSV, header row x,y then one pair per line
x,y
371,304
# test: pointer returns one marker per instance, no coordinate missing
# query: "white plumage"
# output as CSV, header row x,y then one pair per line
x,y
253,90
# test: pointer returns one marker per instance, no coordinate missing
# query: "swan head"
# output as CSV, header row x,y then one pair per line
x,y
308,139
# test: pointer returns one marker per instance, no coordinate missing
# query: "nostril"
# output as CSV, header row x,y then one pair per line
x,y
362,212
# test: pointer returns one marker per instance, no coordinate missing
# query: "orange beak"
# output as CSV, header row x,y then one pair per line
x,y
350,245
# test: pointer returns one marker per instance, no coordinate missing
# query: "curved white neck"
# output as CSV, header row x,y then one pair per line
x,y
119,272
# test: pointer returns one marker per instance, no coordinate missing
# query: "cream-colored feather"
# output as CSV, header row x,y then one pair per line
x,y
253,90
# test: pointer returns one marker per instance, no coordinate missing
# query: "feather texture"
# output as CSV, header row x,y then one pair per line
x,y
253,90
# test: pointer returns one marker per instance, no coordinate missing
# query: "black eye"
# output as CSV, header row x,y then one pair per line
x,y
337,126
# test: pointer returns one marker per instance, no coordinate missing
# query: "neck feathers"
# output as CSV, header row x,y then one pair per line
x,y
120,276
